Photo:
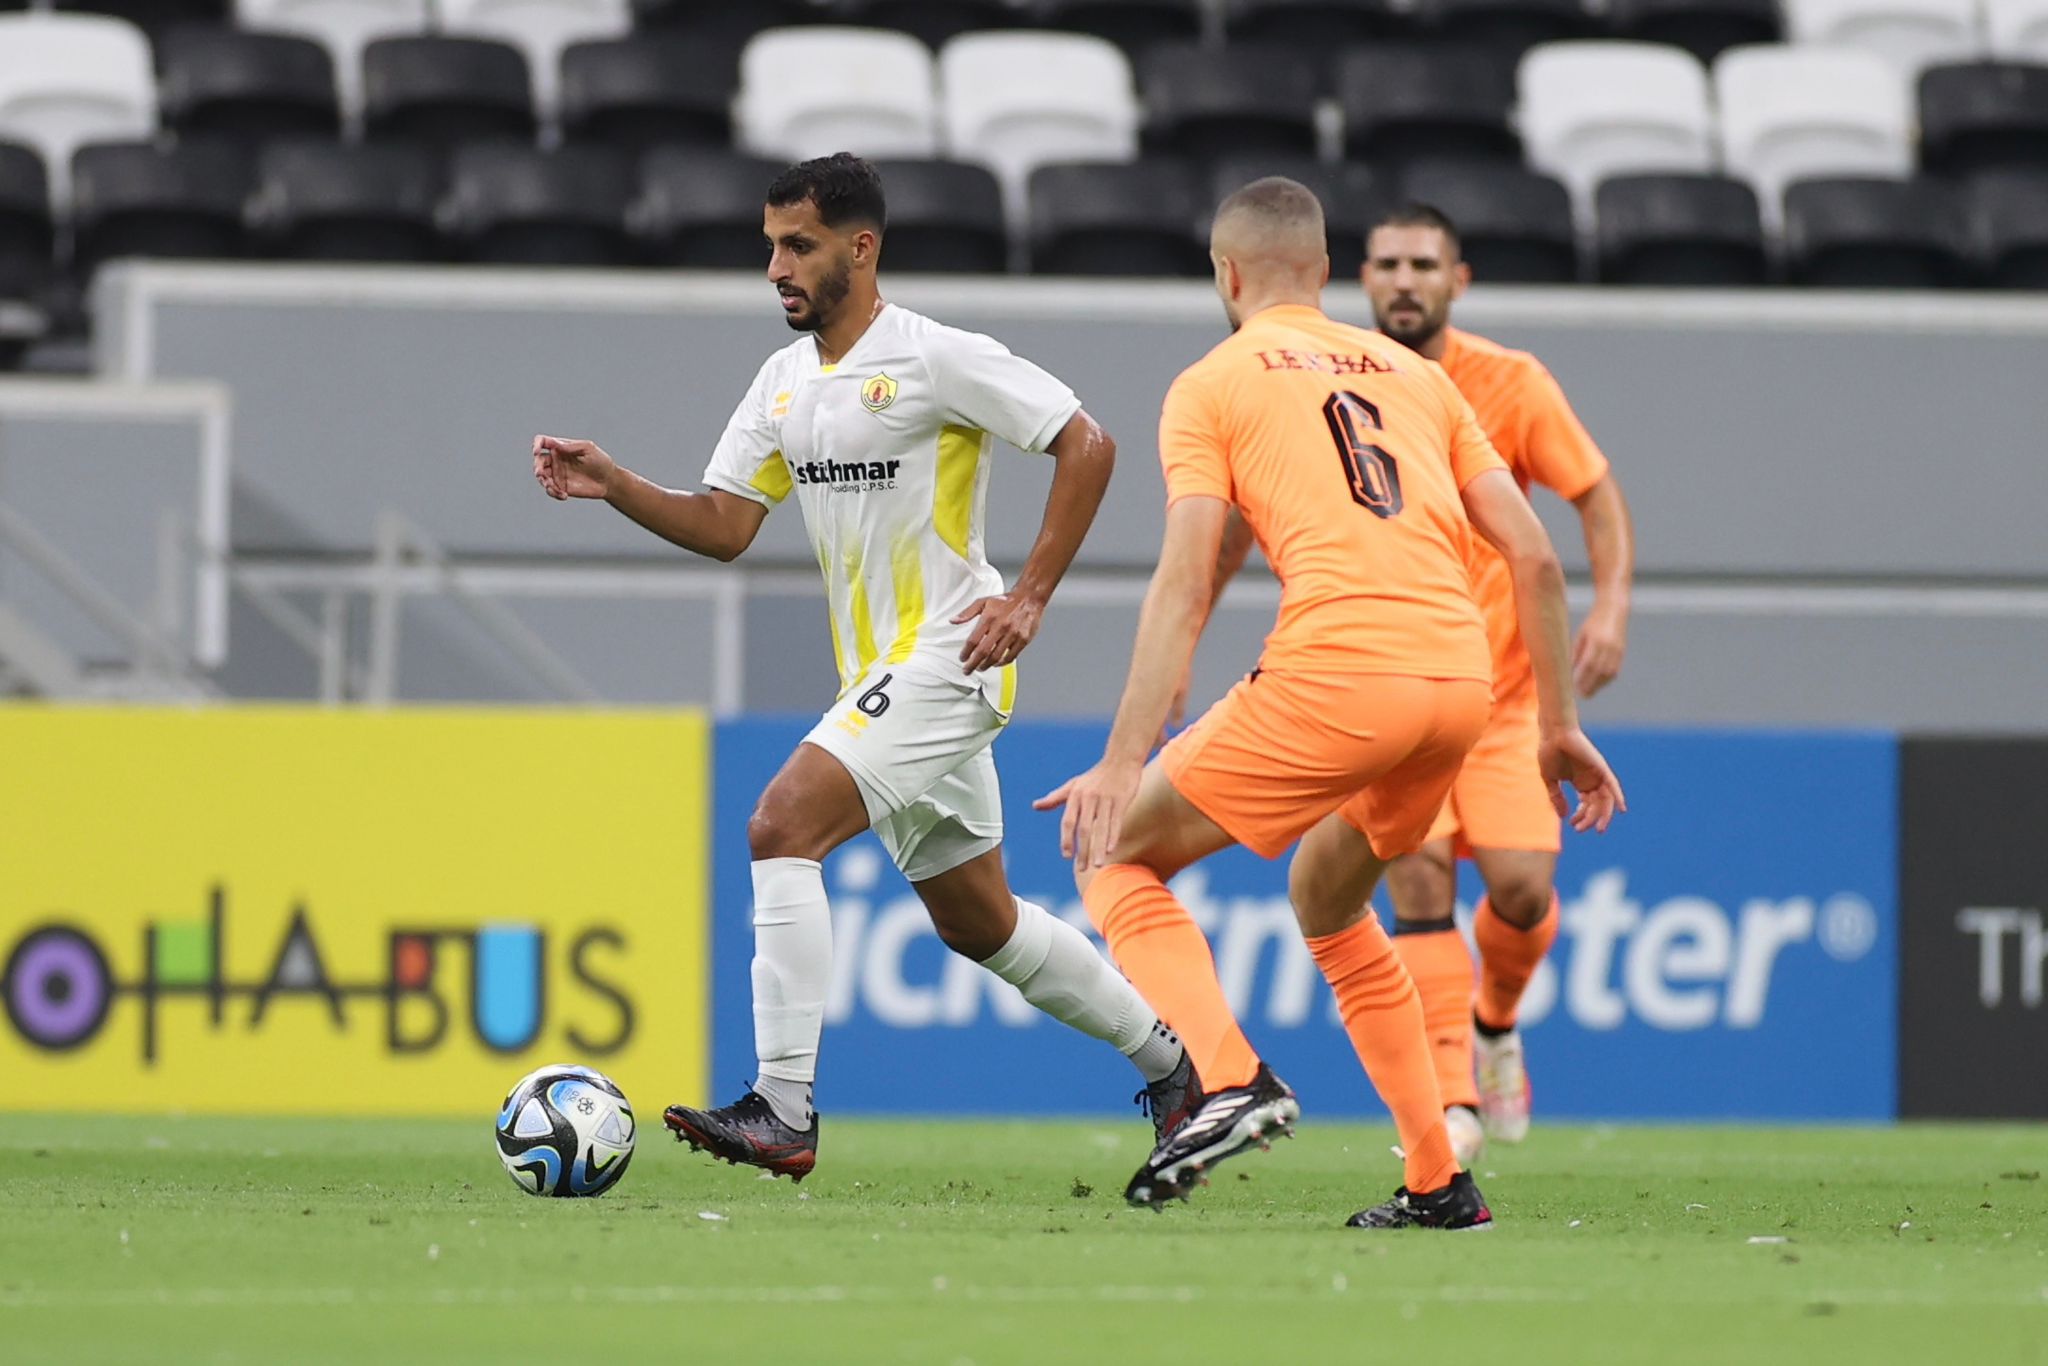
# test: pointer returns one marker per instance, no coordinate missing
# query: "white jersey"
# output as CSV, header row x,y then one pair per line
x,y
888,452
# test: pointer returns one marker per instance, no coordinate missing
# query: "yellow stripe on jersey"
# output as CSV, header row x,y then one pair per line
x,y
864,649
1008,692
772,479
907,560
953,498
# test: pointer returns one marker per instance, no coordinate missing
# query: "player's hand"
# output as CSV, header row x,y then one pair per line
x,y
1003,626
1597,651
1095,804
1569,757
569,468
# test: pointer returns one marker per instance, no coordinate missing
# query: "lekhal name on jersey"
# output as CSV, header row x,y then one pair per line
x,y
848,476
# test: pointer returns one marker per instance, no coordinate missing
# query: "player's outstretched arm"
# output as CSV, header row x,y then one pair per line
x,y
1084,457
715,523
1503,516
1602,641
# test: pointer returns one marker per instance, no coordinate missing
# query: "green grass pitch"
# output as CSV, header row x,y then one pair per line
x,y
308,1241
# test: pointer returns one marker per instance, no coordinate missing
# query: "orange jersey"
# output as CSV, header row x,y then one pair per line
x,y
1535,430
1346,452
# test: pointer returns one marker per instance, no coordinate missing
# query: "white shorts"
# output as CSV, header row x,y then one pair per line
x,y
917,745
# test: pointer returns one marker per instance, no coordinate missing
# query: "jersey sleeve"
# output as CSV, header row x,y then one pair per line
x,y
1558,449
748,458
1193,454
1472,452
979,382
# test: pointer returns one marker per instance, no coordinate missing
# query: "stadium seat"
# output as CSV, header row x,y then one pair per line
x,y
1984,116
70,79
1864,233
720,21
1792,112
1514,26
152,15
1133,25
512,205
1705,28
646,92
347,27
1595,109
187,200
808,92
27,224
1015,101
1910,34
1427,101
224,82
1680,230
445,90
1247,99
1314,25
324,201
944,216
1354,198
702,208
2018,29
1515,225
931,22
1134,218
2011,209
540,29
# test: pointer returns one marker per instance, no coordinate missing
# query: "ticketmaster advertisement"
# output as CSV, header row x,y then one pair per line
x,y
1728,951
276,910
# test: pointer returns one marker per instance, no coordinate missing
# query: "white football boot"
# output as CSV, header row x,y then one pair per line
x,y
1468,1136
1503,1086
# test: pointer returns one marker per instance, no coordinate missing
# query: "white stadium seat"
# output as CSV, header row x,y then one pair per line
x,y
812,91
1018,101
1788,113
346,27
70,79
1590,110
2018,29
1910,34
540,29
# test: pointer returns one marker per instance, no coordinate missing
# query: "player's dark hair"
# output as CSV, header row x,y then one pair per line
x,y
846,189
1416,214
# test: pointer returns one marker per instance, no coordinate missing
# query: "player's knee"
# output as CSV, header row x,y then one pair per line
x,y
1521,901
775,830
1423,886
974,937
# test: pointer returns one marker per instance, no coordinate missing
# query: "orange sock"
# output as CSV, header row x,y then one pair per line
x,y
1508,957
1167,958
1442,968
1383,1016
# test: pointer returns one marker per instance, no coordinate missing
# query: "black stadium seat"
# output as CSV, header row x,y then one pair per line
x,y
703,208
148,199
930,21
649,92
1097,218
1514,26
513,205
2012,219
324,201
1705,28
1680,230
1981,116
1133,25
446,90
724,21
943,216
1241,100
149,14
217,81
26,223
1861,233
1354,198
1427,101
1314,25
1514,225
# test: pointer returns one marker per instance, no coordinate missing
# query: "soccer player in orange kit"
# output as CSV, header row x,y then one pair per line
x,y
1356,464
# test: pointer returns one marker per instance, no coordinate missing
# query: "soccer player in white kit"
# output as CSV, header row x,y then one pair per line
x,y
882,423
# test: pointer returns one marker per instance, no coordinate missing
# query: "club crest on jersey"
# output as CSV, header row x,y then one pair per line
x,y
877,392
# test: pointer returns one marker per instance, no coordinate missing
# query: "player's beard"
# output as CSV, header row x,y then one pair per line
x,y
825,299
1414,335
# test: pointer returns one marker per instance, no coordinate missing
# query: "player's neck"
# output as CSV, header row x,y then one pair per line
x,y
849,325
1251,306
1434,348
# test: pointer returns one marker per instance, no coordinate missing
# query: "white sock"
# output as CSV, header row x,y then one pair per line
x,y
1059,971
792,971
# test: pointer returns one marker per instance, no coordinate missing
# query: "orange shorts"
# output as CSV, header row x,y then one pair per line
x,y
1282,751
1499,800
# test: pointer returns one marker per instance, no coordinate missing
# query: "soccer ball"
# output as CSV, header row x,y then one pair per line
x,y
565,1130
